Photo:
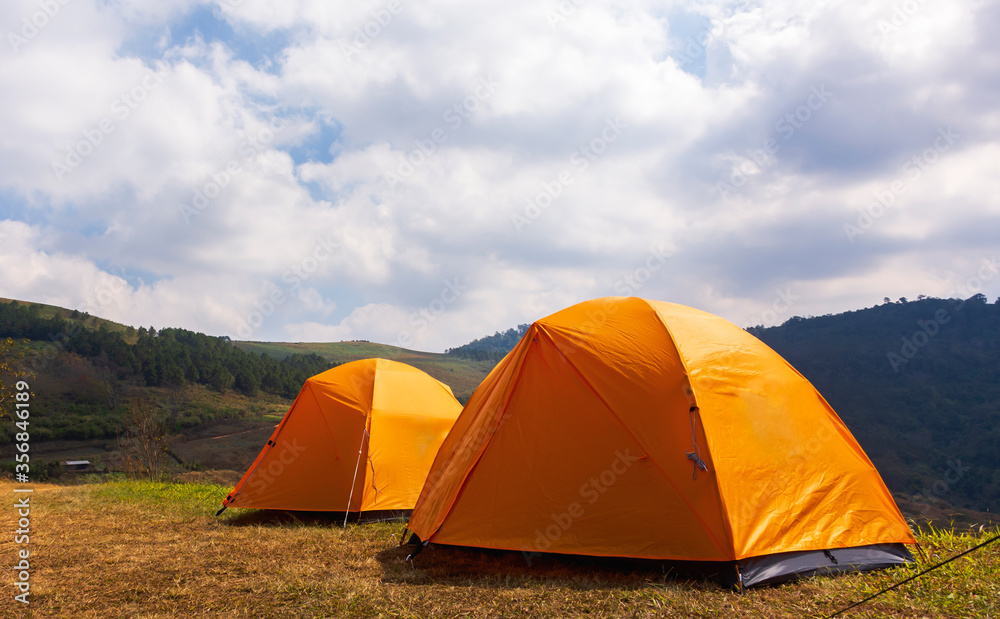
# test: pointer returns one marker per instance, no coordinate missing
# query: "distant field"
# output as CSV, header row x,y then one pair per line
x,y
229,445
462,375
128,548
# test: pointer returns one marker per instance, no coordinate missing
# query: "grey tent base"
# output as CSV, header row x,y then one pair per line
x,y
781,567
750,572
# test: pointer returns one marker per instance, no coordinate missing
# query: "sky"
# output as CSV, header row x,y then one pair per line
x,y
423,174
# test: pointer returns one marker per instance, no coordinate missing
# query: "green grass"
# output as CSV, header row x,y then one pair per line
x,y
339,352
166,496
968,586
150,549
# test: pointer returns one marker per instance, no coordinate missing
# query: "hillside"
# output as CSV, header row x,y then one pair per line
x,y
918,383
221,398
89,373
462,375
76,317
492,347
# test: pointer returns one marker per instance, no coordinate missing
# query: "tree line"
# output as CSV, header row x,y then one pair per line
x,y
491,347
157,358
917,383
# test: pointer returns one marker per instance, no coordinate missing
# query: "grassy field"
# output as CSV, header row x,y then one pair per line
x,y
127,548
462,375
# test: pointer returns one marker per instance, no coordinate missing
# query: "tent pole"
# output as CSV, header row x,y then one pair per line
x,y
354,481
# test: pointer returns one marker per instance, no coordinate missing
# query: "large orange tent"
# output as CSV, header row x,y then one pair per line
x,y
633,428
359,438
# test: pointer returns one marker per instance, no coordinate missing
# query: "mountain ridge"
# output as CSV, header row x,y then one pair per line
x,y
916,382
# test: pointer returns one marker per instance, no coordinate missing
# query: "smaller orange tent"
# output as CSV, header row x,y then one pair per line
x,y
359,437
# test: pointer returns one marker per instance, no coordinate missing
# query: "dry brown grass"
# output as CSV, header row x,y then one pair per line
x,y
131,549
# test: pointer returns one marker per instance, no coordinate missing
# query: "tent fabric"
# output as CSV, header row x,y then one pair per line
x,y
633,428
375,422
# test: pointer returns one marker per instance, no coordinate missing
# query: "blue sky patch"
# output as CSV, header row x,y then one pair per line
x,y
689,34
315,147
260,49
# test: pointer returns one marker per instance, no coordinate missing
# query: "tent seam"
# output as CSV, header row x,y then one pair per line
x,y
719,544
508,393
708,448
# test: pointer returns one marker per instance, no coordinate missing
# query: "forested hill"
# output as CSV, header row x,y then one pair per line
x,y
491,347
918,384
152,358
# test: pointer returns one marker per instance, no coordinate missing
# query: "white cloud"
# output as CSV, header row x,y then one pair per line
x,y
360,189
378,321
115,292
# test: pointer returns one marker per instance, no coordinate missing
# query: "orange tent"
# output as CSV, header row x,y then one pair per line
x,y
359,438
634,428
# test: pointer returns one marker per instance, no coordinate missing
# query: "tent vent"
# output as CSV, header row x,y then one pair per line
x,y
374,487
695,456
